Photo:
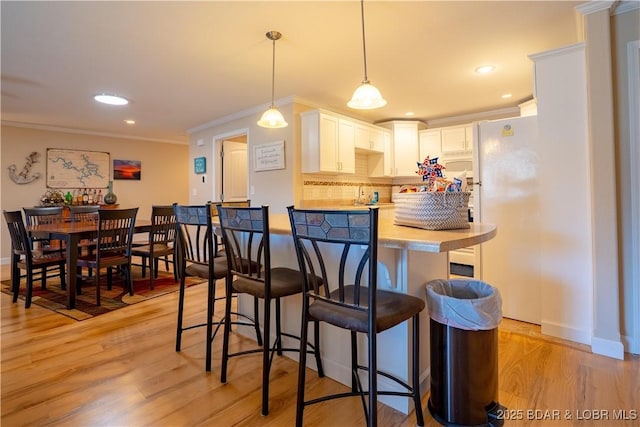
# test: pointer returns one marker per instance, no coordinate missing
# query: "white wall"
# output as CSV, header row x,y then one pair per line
x,y
276,188
565,213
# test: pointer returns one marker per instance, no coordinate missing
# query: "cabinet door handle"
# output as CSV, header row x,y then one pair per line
x,y
477,183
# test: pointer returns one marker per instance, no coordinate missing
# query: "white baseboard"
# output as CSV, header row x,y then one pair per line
x,y
630,345
607,348
566,332
601,346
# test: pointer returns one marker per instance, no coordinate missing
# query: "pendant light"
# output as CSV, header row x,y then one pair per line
x,y
272,118
366,96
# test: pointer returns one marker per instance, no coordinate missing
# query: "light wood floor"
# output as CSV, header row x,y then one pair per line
x,y
120,369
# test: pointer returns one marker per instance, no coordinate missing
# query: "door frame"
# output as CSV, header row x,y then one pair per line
x,y
633,58
216,186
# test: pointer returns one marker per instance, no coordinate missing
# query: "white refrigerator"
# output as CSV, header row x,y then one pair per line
x,y
507,164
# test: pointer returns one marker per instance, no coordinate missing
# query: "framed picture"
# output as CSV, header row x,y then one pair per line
x,y
268,156
77,168
127,169
200,165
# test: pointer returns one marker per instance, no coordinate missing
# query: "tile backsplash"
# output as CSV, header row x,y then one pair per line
x,y
320,189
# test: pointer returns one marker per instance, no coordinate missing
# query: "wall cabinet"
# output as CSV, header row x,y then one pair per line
x,y
430,144
380,164
369,138
405,147
328,143
440,142
457,139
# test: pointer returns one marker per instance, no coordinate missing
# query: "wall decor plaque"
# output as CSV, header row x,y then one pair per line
x,y
268,156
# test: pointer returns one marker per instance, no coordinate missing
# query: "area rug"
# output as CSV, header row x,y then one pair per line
x,y
55,299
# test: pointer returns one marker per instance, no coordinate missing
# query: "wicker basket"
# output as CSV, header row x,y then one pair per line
x,y
431,210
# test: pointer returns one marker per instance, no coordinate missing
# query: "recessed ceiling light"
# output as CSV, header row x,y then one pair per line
x,y
410,113
106,98
506,96
484,69
130,122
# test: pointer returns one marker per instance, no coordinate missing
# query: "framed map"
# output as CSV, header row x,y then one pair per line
x,y
77,168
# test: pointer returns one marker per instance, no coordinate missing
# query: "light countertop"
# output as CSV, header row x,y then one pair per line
x,y
415,239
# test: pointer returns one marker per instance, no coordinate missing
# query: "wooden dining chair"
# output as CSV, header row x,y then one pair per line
x,y
85,213
160,243
195,256
45,215
24,257
245,232
113,247
342,247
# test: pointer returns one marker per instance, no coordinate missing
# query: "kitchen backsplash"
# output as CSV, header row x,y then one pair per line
x,y
327,190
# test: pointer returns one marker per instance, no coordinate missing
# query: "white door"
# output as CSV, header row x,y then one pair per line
x,y
508,170
234,171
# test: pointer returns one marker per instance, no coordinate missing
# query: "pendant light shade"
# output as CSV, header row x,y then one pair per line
x,y
367,96
272,118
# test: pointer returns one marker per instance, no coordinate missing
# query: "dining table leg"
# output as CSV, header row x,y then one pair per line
x,y
72,263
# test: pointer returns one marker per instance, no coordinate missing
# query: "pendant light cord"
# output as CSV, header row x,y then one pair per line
x,y
273,72
364,45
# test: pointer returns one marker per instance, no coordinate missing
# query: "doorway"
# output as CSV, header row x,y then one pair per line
x,y
232,176
234,169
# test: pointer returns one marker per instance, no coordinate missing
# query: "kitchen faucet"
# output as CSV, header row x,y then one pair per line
x,y
362,198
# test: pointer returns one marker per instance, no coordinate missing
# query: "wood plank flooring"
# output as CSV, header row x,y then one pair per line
x,y
121,369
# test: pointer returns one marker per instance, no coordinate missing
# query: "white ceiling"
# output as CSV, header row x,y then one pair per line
x,y
183,64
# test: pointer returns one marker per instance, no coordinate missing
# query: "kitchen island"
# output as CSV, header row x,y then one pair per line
x,y
408,258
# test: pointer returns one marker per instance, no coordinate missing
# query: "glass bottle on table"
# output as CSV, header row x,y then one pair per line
x,y
85,197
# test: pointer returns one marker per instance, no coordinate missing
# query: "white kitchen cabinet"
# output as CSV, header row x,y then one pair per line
x,y
328,143
457,139
377,138
346,158
406,147
380,164
430,144
369,138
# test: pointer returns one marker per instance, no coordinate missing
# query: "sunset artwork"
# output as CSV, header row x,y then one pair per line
x,y
126,169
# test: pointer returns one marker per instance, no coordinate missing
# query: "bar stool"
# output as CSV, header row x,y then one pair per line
x,y
195,256
348,298
245,232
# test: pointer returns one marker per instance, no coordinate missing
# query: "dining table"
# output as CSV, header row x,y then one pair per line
x,y
72,233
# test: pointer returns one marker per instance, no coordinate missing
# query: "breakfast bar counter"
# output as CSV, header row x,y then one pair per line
x,y
414,239
407,259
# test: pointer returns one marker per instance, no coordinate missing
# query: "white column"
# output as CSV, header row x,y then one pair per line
x,y
606,317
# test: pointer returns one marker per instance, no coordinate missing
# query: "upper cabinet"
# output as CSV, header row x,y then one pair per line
x,y
380,163
430,144
457,139
453,140
370,138
406,148
328,143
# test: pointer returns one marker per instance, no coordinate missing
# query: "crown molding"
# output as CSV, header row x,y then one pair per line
x,y
625,6
60,129
594,6
240,114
